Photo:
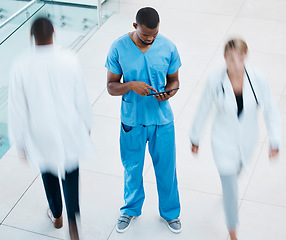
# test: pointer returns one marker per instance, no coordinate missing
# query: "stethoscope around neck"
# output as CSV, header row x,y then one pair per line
x,y
257,103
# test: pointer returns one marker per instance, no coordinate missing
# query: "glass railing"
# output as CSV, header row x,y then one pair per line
x,y
10,7
74,22
13,22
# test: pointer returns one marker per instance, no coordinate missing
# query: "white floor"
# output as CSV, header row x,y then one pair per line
x,y
199,29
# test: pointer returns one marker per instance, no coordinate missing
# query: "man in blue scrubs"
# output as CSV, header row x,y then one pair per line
x,y
149,63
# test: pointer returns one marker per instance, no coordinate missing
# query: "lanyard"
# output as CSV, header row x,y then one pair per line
x,y
250,86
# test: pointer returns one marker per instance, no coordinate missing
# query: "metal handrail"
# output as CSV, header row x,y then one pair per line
x,y
99,12
17,13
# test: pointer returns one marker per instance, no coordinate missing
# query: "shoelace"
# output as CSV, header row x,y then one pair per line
x,y
122,219
174,221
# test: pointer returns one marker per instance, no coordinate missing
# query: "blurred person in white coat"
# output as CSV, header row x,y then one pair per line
x,y
50,119
237,92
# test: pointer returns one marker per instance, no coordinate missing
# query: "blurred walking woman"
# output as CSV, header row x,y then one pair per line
x,y
237,92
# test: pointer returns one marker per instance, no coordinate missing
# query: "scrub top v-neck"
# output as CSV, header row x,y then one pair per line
x,y
152,67
150,46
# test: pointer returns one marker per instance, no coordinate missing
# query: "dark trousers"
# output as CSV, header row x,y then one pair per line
x,y
70,189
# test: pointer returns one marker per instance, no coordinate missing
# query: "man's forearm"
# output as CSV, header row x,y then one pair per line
x,y
118,89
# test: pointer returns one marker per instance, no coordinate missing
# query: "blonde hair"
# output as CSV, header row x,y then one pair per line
x,y
237,44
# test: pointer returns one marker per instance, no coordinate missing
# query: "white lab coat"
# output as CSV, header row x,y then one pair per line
x,y
233,139
49,113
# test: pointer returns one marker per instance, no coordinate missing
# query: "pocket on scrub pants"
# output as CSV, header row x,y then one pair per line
x,y
126,128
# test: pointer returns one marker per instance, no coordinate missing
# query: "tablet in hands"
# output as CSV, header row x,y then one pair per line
x,y
155,93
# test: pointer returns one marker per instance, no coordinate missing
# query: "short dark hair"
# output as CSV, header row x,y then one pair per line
x,y
42,28
148,16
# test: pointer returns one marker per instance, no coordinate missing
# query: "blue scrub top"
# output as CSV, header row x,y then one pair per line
x,y
161,59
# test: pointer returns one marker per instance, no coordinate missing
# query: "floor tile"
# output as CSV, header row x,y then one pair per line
x,y
16,177
96,49
145,3
222,7
8,233
107,106
20,216
268,179
282,111
196,28
95,81
260,221
266,32
256,9
101,199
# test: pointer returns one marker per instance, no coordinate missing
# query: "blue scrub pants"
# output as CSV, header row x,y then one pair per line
x,y
161,142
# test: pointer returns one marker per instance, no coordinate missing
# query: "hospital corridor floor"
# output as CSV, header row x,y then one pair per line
x,y
199,29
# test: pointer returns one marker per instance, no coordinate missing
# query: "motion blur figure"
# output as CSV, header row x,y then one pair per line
x,y
237,91
50,119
